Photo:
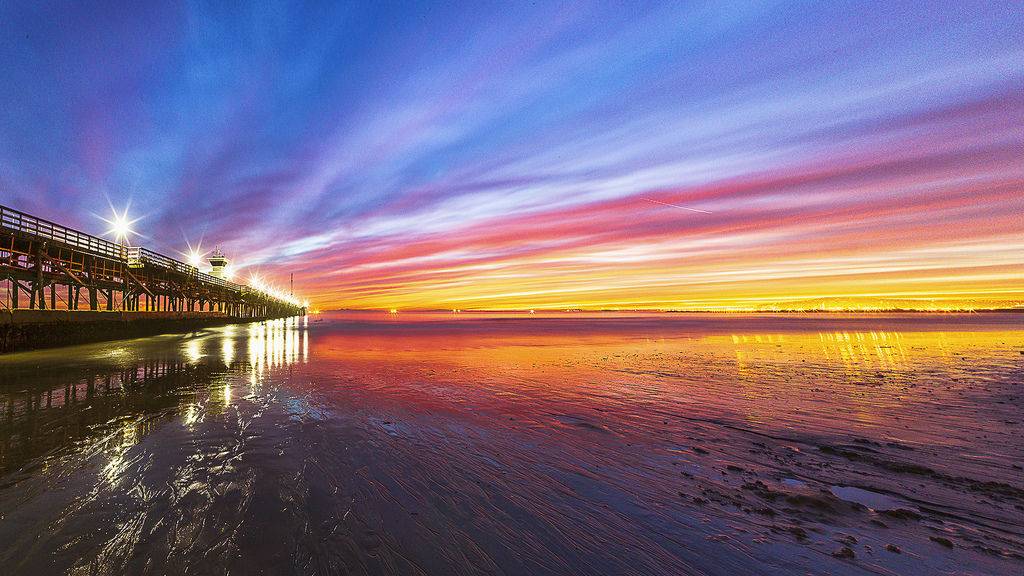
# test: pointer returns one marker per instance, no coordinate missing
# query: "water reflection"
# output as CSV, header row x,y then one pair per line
x,y
118,392
876,349
277,343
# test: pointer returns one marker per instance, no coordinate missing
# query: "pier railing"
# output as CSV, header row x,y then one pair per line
x,y
32,226
37,254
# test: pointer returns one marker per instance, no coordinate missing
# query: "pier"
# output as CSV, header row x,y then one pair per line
x,y
48,267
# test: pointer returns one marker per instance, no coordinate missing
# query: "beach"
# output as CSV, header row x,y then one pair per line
x,y
601,443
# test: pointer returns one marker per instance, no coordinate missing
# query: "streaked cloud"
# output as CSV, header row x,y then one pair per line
x,y
479,155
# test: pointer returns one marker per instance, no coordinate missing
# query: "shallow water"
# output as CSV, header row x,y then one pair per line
x,y
558,444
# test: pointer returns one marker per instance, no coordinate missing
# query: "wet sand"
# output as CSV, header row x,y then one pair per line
x,y
586,444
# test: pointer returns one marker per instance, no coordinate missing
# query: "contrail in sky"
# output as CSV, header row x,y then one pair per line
x,y
677,206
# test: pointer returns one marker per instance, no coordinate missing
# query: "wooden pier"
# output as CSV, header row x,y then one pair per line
x,y
48,266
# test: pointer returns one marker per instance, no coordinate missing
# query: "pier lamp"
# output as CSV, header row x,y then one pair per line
x,y
120,227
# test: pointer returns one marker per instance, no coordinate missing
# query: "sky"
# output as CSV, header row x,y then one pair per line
x,y
499,155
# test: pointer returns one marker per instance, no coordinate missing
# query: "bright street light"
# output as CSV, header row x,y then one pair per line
x,y
120,226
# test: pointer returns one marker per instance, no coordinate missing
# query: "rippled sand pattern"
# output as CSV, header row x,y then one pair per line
x,y
591,444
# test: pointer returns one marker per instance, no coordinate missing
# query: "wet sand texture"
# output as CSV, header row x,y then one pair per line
x,y
565,445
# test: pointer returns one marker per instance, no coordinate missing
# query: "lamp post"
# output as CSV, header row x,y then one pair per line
x,y
122,227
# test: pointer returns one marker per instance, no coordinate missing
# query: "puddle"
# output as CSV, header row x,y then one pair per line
x,y
872,500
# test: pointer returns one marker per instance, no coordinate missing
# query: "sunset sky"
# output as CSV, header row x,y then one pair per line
x,y
530,155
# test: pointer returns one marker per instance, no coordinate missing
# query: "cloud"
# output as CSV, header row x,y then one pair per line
x,y
501,156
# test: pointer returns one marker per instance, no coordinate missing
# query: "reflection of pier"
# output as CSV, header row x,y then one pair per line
x,y
48,266
61,411
275,343
75,403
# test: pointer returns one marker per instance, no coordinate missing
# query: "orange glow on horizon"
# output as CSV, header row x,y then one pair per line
x,y
877,256
930,230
